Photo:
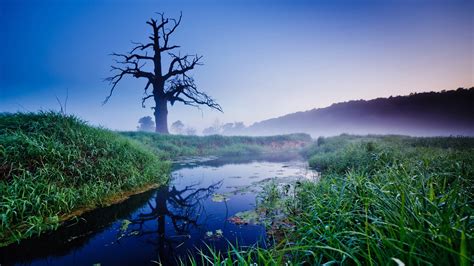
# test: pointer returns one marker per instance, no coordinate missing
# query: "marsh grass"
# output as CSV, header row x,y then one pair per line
x,y
384,197
52,165
178,145
381,200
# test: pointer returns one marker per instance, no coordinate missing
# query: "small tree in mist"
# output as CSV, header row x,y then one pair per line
x,y
214,129
177,127
146,123
168,84
190,131
233,128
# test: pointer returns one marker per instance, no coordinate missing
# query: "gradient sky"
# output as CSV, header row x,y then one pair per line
x,y
262,58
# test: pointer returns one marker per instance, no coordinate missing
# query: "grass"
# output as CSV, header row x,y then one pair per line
x,y
53,165
382,200
236,255
178,145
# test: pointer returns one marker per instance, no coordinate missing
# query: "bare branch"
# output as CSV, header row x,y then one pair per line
x,y
140,46
169,48
131,67
146,98
184,65
184,90
137,56
166,34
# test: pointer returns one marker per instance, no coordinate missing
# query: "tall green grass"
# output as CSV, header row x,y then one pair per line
x,y
381,200
52,165
388,197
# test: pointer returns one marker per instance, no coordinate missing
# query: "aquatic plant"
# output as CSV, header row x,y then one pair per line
x,y
245,217
216,197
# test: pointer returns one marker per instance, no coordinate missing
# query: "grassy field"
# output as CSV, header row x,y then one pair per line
x,y
52,166
177,145
382,200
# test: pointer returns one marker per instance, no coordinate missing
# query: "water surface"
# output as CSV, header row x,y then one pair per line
x,y
166,223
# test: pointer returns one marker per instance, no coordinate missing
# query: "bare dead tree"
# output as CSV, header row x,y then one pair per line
x,y
182,207
172,84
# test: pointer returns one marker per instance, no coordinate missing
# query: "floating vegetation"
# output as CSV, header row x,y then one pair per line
x,y
218,234
125,224
263,181
243,189
245,217
253,176
216,197
235,177
134,233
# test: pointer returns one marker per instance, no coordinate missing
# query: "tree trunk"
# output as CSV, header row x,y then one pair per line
x,y
162,211
161,116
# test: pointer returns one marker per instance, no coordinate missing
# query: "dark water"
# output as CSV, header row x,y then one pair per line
x,y
167,223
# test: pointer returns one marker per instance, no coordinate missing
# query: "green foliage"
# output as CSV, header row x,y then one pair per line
x,y
384,197
382,200
237,255
52,165
179,145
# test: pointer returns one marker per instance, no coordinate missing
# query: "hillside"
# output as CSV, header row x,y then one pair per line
x,y
420,114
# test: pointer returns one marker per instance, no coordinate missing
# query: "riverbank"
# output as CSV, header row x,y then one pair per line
x,y
54,166
381,200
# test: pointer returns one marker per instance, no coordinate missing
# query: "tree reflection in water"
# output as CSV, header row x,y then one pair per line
x,y
182,207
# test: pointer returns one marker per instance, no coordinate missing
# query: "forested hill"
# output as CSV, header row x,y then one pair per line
x,y
420,114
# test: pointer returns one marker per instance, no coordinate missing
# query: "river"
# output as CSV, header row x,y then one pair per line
x,y
161,225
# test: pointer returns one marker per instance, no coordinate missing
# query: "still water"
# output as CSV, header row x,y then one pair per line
x,y
167,223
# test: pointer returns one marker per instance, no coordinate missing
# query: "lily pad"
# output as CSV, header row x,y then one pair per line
x,y
245,217
219,197
214,236
134,233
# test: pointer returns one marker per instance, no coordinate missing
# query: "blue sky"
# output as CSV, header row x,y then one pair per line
x,y
261,58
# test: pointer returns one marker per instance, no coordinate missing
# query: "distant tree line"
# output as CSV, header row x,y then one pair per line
x,y
448,112
147,124
236,128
